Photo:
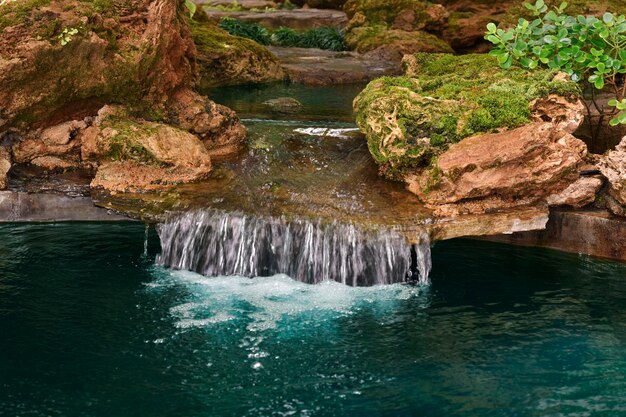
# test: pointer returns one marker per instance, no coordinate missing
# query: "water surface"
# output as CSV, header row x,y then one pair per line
x,y
90,327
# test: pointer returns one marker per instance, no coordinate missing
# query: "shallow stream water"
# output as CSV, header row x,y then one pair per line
x,y
91,327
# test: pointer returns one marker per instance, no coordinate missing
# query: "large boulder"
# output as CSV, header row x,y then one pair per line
x,y
468,137
61,60
442,99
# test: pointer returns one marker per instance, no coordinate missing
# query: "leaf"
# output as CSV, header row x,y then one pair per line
x,y
599,83
608,18
191,6
613,102
491,28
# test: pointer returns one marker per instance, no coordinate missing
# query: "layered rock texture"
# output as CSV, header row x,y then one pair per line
x,y
470,138
61,61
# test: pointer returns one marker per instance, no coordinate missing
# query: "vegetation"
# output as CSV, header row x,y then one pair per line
x,y
322,38
590,50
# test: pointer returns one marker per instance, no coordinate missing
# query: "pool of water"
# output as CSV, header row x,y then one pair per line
x,y
318,103
90,327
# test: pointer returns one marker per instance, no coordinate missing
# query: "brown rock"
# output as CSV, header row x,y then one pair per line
x,y
130,176
5,166
52,163
217,126
565,114
495,171
578,194
613,167
41,76
55,141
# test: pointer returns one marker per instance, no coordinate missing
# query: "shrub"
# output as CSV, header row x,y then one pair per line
x,y
322,38
246,30
590,50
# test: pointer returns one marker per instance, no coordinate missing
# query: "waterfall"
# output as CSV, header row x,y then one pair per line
x,y
214,243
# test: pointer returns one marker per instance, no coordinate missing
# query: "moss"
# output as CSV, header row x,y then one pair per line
x,y
385,11
367,38
122,145
17,12
443,99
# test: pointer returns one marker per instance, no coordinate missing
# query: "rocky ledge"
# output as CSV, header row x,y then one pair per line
x,y
469,138
107,88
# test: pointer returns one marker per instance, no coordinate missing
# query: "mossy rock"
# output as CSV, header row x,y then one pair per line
x,y
442,99
368,38
54,53
224,59
385,11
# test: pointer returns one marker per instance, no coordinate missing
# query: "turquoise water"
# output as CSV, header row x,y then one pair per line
x,y
89,327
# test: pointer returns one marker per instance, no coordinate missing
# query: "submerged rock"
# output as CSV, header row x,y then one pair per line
x,y
284,104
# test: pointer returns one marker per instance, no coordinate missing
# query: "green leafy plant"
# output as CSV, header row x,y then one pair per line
x,y
590,50
322,38
66,36
246,30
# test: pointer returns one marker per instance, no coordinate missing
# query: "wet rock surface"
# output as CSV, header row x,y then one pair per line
x,y
317,67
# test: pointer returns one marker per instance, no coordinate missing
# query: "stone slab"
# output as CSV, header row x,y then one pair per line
x,y
26,207
589,232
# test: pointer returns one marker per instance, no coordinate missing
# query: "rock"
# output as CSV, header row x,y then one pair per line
x,y
39,75
528,165
136,155
393,43
224,59
52,163
299,19
394,28
217,126
613,167
284,104
139,53
444,98
579,194
239,4
128,176
51,148
317,67
5,166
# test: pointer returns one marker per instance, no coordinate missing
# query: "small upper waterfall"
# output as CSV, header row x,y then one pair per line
x,y
216,243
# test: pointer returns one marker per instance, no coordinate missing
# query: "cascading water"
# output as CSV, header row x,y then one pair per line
x,y
215,243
